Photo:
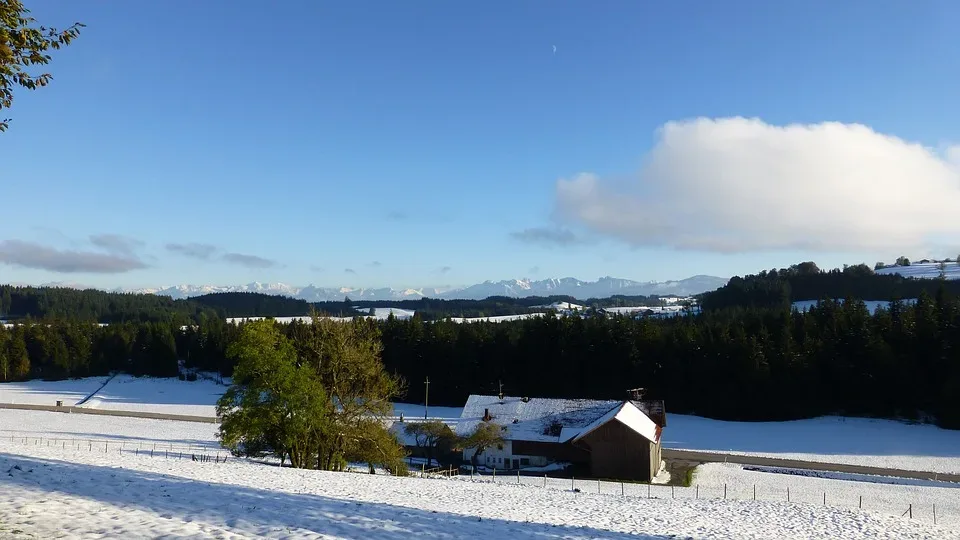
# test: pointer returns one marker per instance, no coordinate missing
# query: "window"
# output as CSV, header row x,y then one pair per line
x,y
524,461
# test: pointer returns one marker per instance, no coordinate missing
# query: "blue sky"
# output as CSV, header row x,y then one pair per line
x,y
432,143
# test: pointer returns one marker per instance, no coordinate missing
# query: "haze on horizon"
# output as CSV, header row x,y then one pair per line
x,y
440,143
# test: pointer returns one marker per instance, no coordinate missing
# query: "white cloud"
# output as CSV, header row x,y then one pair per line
x,y
735,185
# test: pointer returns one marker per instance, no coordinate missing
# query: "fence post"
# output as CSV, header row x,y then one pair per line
x,y
544,479
598,485
754,492
724,491
788,493
621,488
911,511
518,476
648,490
673,492
494,474
824,498
934,514
698,491
861,502
572,483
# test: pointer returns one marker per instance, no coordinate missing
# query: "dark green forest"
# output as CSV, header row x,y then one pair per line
x,y
99,306
746,356
738,364
804,281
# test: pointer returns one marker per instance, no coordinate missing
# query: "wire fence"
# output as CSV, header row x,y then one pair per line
x,y
156,449
941,509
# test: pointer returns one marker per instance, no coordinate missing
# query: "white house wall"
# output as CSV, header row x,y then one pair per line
x,y
498,458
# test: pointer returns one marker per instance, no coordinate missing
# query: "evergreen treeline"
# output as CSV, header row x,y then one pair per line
x,y
432,309
93,305
108,307
58,348
805,281
759,362
249,304
743,364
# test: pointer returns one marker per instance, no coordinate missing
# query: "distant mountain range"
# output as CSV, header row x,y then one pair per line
x,y
517,288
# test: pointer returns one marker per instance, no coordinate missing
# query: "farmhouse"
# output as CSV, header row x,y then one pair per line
x,y
605,438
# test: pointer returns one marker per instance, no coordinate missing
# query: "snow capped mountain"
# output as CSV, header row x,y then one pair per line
x,y
516,288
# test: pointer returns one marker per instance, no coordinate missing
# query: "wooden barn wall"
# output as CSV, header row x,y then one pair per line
x,y
619,452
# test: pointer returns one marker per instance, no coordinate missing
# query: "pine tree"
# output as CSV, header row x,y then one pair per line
x,y
17,354
4,354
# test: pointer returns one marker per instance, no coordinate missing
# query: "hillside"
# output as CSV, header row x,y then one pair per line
x,y
805,282
929,270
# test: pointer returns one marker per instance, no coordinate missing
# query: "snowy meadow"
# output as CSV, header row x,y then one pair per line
x,y
79,475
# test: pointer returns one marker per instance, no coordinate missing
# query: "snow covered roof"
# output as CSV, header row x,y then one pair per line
x,y
629,415
551,420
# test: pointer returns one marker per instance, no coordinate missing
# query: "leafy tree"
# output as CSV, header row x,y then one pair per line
x,y
433,437
879,265
346,358
903,261
24,44
274,405
320,397
375,446
486,435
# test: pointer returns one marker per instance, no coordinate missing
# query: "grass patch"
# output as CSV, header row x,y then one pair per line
x,y
689,476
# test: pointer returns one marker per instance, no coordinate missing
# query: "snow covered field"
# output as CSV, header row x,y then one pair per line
x,y
924,270
857,441
49,392
68,493
161,395
413,411
654,311
17,424
886,498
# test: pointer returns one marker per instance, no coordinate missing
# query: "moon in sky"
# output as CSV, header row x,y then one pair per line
x,y
554,49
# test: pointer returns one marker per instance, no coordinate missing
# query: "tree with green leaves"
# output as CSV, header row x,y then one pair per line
x,y
433,438
486,435
346,358
274,405
24,44
320,399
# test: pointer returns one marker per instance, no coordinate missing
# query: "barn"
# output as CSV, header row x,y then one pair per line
x,y
606,438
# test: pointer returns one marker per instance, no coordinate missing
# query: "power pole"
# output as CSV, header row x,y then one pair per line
x,y
426,398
